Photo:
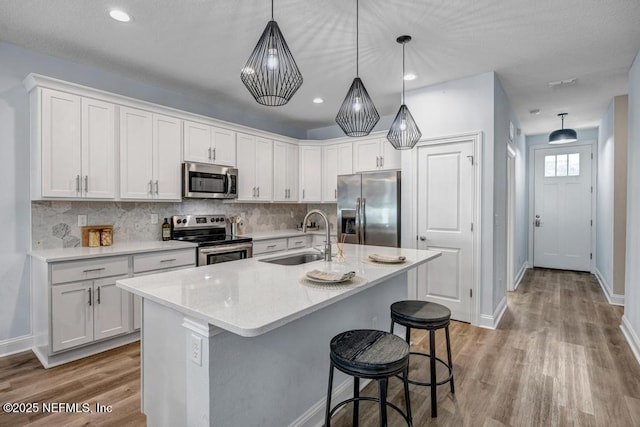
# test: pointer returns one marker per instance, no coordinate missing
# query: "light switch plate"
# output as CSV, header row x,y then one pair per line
x,y
82,220
196,349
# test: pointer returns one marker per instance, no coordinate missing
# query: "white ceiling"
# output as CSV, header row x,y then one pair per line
x,y
198,47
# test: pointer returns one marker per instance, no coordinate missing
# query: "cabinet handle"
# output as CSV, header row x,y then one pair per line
x,y
299,243
209,153
98,294
258,191
168,260
377,161
92,270
254,192
381,161
157,187
86,184
89,296
271,246
335,193
303,194
150,186
77,183
214,154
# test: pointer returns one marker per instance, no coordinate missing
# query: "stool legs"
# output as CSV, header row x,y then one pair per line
x,y
446,331
327,416
432,368
382,396
356,403
407,401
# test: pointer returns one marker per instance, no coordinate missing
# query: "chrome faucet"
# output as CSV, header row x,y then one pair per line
x,y
327,246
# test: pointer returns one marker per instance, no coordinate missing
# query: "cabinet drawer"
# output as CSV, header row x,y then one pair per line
x,y
74,271
162,260
266,246
319,240
297,242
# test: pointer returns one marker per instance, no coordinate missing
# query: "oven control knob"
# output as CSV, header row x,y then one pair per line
x,y
179,221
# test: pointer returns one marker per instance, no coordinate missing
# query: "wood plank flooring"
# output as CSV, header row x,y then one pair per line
x,y
558,358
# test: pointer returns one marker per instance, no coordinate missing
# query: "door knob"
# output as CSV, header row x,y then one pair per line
x,y
423,238
537,221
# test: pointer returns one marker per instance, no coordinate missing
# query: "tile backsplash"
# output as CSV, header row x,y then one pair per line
x,y
55,224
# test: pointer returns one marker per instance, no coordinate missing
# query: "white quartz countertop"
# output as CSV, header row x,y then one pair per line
x,y
122,248
266,235
249,297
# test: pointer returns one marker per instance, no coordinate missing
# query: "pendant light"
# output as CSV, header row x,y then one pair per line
x,y
357,115
403,133
562,135
271,73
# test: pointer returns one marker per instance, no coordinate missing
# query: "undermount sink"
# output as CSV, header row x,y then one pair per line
x,y
295,259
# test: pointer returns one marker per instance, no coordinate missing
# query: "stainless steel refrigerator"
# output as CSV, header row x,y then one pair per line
x,y
369,208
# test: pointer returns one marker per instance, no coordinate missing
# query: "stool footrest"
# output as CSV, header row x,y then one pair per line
x,y
446,380
370,399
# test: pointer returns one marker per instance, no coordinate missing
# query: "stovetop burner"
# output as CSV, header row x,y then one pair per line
x,y
205,230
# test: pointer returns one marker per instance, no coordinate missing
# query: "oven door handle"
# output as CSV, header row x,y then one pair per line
x,y
226,248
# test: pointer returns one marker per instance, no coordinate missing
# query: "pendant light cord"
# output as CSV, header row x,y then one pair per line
x,y
272,10
357,40
403,73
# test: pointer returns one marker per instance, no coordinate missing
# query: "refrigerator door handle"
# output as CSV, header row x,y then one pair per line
x,y
363,222
358,221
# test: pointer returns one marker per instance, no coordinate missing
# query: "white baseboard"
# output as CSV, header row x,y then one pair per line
x,y
613,299
631,336
492,321
314,416
520,275
16,345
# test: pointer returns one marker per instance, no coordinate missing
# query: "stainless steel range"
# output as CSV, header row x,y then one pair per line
x,y
210,233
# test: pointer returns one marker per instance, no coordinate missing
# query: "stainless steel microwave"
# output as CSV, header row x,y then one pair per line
x,y
204,181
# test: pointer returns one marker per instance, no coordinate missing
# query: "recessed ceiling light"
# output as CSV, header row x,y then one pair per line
x,y
120,15
318,100
410,76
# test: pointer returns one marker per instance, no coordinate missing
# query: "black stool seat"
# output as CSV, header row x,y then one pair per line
x,y
429,316
370,354
420,314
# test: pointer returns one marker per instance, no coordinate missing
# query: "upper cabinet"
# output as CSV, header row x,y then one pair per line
x,y
336,160
310,173
375,154
74,142
150,146
255,168
209,144
285,172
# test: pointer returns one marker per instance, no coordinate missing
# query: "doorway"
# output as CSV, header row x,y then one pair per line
x,y
511,217
562,207
446,212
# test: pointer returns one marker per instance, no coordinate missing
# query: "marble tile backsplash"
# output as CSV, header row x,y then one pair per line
x,y
55,224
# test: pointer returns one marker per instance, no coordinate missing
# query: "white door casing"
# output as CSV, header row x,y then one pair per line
x,y
511,217
446,199
562,210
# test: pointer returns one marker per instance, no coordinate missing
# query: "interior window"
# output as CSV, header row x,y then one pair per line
x,y
574,164
549,165
562,165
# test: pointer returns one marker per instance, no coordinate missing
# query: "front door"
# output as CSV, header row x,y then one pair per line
x,y
562,208
446,182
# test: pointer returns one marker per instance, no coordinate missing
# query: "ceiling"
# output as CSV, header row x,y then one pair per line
x,y
197,47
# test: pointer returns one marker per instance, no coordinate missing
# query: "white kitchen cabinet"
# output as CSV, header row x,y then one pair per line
x,y
150,148
209,144
285,172
75,138
336,160
269,245
298,242
255,168
375,154
310,173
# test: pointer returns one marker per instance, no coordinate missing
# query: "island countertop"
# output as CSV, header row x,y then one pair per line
x,y
250,297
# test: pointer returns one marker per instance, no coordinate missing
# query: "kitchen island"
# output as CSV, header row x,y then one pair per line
x,y
246,343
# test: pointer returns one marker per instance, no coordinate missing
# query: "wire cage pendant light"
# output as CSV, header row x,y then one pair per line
x,y
357,115
271,74
562,135
404,133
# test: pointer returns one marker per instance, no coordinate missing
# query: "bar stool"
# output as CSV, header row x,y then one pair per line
x,y
429,316
369,354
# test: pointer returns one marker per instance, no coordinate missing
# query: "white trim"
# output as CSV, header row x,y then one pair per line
x,y
523,270
613,299
631,336
201,328
511,216
314,416
594,195
16,345
491,322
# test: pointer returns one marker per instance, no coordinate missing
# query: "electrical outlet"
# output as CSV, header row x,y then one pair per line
x,y
82,220
196,349
154,218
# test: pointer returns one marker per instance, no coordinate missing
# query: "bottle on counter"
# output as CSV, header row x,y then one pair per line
x,y
166,230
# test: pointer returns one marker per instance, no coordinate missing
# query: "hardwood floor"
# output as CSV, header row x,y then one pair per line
x,y
558,358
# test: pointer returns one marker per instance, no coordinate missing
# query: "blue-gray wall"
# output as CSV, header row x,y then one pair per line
x,y
604,202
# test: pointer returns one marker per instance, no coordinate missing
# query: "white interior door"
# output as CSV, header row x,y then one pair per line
x,y
562,208
445,215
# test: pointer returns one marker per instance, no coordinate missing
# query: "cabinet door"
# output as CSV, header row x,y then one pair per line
x,y
224,146
197,142
246,167
292,173
61,155
136,154
310,174
367,155
98,180
166,158
71,315
280,163
390,156
264,169
345,158
112,308
330,173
